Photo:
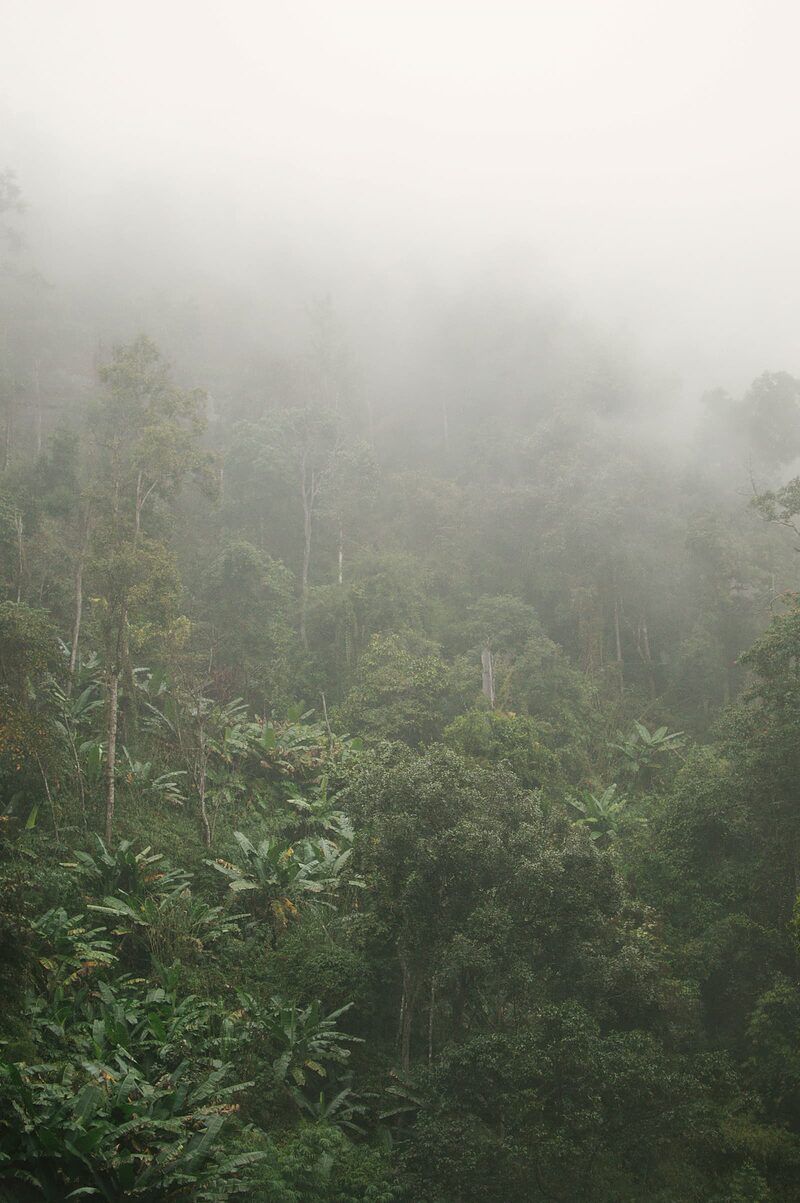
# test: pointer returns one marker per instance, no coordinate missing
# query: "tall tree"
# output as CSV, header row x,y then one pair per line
x,y
146,435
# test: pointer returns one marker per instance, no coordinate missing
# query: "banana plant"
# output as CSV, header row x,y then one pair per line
x,y
124,870
280,878
600,814
300,1043
338,1109
162,787
319,813
67,949
133,1108
168,924
643,752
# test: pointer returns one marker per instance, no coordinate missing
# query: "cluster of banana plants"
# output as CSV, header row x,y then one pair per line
x,y
150,907
279,879
234,761
300,1054
185,748
119,1086
124,1098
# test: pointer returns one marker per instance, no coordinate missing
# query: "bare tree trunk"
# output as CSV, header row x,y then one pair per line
x,y
78,770
487,684
430,1019
76,626
325,715
111,751
203,812
341,554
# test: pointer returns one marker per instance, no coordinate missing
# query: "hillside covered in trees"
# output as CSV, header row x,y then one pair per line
x,y
398,766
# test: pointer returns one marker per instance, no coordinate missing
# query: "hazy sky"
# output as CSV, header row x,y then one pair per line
x,y
641,156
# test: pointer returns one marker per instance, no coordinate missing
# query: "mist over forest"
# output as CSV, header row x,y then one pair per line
x,y
399,602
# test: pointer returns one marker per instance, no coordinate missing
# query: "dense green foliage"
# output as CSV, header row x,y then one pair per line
x,y
393,821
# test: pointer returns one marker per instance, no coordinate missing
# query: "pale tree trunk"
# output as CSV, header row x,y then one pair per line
x,y
304,576
119,661
201,778
325,716
142,495
111,751
341,554
76,625
487,683
203,811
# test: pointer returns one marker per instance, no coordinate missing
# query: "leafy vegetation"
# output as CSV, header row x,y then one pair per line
x,y
393,823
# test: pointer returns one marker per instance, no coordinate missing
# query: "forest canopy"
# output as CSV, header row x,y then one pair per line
x,y
399,653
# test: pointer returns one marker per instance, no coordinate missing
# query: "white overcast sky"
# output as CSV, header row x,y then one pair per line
x,y
644,154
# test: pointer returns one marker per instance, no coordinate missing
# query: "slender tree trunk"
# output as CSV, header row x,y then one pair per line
x,y
76,625
325,716
341,554
487,683
78,769
111,751
203,812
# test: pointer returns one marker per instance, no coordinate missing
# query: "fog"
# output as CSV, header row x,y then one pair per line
x,y
400,601
629,166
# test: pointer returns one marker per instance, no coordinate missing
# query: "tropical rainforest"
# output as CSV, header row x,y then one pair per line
x,y
398,791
